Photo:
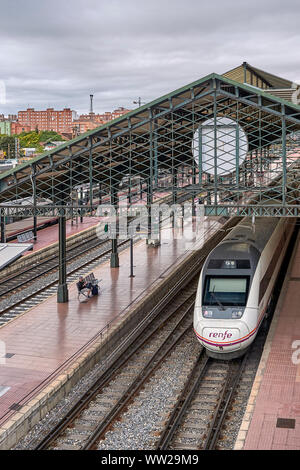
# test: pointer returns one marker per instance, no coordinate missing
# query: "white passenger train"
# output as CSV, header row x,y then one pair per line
x,y
236,284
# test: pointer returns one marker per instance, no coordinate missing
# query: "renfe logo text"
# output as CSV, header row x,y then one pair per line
x,y
225,335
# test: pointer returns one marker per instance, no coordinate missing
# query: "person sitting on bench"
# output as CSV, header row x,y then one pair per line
x,y
82,285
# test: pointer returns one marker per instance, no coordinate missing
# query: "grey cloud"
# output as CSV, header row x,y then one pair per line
x,y
58,52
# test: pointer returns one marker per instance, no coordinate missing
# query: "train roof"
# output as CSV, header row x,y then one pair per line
x,y
247,233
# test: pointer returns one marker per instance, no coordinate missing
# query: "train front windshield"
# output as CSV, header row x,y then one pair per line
x,y
226,291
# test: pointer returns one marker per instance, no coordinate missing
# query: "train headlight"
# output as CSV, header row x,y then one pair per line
x,y
207,313
237,313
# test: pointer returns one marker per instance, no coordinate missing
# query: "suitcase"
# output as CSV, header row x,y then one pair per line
x,y
95,290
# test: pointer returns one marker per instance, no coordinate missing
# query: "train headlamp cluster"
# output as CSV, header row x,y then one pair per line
x,y
229,264
207,313
237,313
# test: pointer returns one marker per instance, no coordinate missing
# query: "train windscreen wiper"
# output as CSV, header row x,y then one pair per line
x,y
217,300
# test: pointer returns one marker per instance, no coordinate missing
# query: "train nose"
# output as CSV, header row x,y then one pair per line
x,y
222,337
224,340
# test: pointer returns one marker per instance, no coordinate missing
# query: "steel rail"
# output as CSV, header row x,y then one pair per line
x,y
134,388
224,403
113,361
51,268
94,244
107,376
187,394
51,263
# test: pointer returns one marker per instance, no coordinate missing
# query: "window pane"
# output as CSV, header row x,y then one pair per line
x,y
224,284
225,291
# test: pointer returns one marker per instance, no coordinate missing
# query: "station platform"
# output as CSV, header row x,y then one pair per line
x,y
272,418
49,235
44,342
15,228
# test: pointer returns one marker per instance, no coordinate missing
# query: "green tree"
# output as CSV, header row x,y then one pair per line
x,y
7,144
45,136
33,138
29,139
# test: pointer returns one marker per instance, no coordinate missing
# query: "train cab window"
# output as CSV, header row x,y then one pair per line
x,y
226,291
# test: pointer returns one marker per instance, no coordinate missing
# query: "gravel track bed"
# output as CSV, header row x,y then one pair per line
x,y
57,413
110,394
143,419
141,423
191,432
235,416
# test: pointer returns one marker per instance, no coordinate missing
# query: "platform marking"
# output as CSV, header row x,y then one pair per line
x,y
3,390
298,374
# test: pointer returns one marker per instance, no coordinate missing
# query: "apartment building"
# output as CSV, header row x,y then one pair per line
x,y
47,120
87,122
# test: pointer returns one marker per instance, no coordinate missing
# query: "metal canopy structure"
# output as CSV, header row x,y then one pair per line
x,y
235,145
166,137
193,133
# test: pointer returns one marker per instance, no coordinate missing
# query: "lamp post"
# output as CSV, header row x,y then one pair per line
x,y
131,258
139,102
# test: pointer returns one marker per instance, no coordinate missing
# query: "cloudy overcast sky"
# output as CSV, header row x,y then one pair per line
x,y
55,53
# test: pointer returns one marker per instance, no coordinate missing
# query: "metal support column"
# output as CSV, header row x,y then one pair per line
x,y
150,178
174,186
200,156
149,203
34,228
215,151
194,184
71,188
91,175
62,291
141,189
131,258
155,144
237,149
284,169
114,257
130,176
81,203
100,194
33,182
2,223
209,191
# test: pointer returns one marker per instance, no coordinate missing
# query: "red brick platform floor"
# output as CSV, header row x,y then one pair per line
x,y
41,343
273,413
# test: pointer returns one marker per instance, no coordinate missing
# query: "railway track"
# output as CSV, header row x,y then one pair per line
x,y
91,251
209,410
103,404
208,413
49,286
131,365
202,408
17,282
198,416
